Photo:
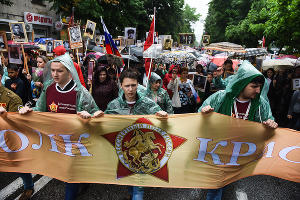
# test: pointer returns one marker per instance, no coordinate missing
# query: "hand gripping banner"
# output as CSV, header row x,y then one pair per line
x,y
183,151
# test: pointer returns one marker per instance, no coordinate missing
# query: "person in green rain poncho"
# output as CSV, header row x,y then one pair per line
x,y
158,94
132,102
63,93
245,97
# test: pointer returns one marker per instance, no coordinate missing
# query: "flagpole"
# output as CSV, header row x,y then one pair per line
x,y
149,72
128,57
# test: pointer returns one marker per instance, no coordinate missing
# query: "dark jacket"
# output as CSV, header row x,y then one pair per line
x,y
104,93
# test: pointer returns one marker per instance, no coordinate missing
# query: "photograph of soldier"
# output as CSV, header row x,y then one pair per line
x,y
49,47
18,32
190,39
66,45
182,39
75,37
89,29
205,39
168,44
117,42
296,84
3,41
130,33
14,55
99,40
57,43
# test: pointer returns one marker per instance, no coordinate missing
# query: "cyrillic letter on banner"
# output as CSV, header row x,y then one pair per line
x,y
203,151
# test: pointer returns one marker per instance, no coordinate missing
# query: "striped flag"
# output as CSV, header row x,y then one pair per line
x,y
110,45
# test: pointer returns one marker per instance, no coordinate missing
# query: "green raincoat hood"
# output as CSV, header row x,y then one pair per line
x,y
153,78
238,82
84,101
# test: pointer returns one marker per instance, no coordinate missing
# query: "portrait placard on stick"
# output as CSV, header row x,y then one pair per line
x,y
89,29
296,83
14,55
18,32
57,43
49,47
3,41
75,37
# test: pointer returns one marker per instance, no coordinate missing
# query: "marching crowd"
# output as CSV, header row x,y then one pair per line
x,y
245,93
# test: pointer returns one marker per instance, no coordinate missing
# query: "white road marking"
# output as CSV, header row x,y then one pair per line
x,y
12,187
241,195
39,185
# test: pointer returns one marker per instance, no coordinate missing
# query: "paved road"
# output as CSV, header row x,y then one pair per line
x,y
251,188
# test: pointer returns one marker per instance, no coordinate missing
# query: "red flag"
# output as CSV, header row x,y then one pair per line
x,y
264,41
149,41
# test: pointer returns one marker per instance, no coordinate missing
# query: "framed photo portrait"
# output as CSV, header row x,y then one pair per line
x,y
182,38
130,33
296,83
189,39
89,29
205,39
75,37
14,55
66,45
49,47
167,44
57,43
3,41
18,32
199,82
117,42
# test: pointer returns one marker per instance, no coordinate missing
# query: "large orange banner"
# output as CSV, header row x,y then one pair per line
x,y
183,151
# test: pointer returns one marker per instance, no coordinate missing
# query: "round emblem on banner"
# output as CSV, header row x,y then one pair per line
x,y
58,25
29,17
143,148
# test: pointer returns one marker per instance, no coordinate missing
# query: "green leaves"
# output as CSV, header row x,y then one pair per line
x,y
172,17
246,21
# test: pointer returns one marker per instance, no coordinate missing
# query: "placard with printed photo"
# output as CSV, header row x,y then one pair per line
x,y
58,43
117,42
14,55
75,37
90,29
296,83
3,41
18,32
130,33
167,44
49,47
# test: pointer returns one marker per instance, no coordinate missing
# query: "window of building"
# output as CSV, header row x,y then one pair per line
x,y
38,2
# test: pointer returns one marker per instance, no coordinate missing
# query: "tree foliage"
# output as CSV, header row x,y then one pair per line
x,y
172,17
247,21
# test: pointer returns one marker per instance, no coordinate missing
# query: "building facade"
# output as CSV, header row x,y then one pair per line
x,y
35,13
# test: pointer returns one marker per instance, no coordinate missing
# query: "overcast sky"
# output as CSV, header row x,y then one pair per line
x,y
202,8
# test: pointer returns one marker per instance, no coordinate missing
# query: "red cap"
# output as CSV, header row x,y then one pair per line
x,y
60,50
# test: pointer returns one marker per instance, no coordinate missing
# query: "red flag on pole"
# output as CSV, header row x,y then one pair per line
x,y
263,41
149,41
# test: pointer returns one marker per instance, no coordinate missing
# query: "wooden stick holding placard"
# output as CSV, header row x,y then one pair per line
x,y
77,56
25,60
